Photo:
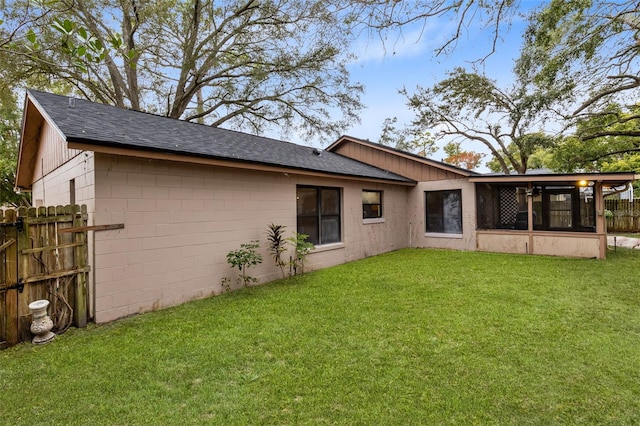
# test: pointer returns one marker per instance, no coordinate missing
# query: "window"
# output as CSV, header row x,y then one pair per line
x,y
555,207
444,211
560,211
371,204
319,214
72,191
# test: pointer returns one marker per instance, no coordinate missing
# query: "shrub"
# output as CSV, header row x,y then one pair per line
x,y
302,248
277,245
244,258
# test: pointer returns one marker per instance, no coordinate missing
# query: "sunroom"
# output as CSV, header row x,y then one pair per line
x,y
545,213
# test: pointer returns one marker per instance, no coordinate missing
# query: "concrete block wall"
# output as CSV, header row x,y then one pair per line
x,y
416,205
54,188
182,219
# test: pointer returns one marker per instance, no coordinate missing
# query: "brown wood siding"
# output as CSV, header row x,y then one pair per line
x,y
413,169
52,151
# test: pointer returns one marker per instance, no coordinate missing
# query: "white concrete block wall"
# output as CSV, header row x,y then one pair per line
x,y
53,188
181,220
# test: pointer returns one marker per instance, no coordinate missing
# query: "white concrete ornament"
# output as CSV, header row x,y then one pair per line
x,y
41,325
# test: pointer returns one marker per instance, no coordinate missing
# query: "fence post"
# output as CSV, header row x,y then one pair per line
x,y
11,296
80,259
23,242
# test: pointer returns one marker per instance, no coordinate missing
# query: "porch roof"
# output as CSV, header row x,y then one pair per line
x,y
608,179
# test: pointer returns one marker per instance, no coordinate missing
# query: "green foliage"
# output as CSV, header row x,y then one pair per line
x,y
9,136
412,140
588,50
608,146
244,258
277,245
254,65
302,248
473,108
538,150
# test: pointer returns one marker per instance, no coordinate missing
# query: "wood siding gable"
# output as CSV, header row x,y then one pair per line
x,y
407,165
43,147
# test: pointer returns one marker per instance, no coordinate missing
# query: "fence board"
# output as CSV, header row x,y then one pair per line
x,y
51,264
625,215
11,278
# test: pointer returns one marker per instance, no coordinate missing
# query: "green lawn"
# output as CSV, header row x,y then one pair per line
x,y
410,337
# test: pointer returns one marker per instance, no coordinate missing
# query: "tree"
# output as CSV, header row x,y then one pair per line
x,y
9,134
590,48
251,64
416,141
472,108
614,152
380,16
458,157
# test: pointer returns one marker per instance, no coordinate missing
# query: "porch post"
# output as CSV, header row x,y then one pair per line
x,y
530,216
601,226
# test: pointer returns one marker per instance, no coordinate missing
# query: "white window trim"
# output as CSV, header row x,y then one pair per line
x,y
439,235
327,247
373,220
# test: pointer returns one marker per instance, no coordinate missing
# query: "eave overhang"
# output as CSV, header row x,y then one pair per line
x,y
608,179
221,162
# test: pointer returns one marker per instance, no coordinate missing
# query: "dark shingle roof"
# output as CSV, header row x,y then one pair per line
x,y
105,125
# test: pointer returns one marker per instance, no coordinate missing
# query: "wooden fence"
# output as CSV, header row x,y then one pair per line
x,y
43,255
624,216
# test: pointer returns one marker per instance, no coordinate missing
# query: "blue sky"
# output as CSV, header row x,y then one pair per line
x,y
408,60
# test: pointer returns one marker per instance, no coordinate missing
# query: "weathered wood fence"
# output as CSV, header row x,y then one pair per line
x,y
624,217
43,255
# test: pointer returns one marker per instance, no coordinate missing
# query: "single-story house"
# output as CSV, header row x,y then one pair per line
x,y
187,194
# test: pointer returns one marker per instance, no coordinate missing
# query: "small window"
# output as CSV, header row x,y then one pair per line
x,y
319,214
444,211
72,191
371,204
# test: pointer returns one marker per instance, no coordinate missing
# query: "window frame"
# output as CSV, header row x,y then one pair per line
x,y
575,213
444,232
580,216
380,214
319,215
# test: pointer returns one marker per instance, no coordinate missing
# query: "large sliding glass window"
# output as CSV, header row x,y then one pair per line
x,y
319,214
555,207
444,211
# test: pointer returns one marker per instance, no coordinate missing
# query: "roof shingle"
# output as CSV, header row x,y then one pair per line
x,y
105,125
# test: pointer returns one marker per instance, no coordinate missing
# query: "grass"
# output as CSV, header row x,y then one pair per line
x,y
409,337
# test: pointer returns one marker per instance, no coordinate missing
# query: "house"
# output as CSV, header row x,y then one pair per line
x,y
187,194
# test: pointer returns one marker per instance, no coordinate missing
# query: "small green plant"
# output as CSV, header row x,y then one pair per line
x,y
226,284
277,245
302,248
244,258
